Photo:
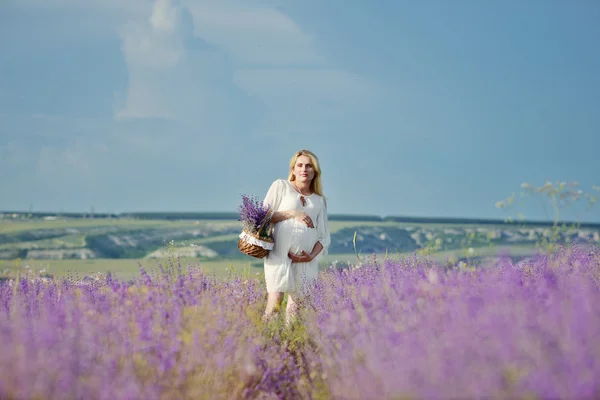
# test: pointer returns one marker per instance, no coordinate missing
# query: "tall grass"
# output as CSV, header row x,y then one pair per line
x,y
387,330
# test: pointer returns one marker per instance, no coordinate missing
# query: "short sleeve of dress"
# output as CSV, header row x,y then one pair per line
x,y
274,195
323,229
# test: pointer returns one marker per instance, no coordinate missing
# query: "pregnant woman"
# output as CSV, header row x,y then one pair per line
x,y
301,233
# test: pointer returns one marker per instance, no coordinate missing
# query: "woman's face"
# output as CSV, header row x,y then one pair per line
x,y
304,170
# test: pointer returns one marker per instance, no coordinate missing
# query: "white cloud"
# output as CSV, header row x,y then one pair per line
x,y
254,34
157,42
152,48
195,62
247,45
164,16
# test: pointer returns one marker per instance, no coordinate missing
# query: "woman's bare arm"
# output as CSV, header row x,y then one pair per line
x,y
316,250
304,256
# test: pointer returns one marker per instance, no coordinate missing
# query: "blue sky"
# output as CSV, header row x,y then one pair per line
x,y
428,108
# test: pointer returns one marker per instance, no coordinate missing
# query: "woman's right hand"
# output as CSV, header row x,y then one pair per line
x,y
305,218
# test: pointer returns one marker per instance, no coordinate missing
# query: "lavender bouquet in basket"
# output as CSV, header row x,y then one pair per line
x,y
255,239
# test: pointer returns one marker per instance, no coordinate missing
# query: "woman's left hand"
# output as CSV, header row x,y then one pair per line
x,y
303,257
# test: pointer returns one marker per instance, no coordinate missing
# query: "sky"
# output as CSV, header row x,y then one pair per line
x,y
423,109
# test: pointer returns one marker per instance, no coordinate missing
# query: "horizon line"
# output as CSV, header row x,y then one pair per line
x,y
334,216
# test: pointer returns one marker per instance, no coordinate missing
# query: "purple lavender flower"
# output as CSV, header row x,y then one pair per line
x,y
403,328
252,214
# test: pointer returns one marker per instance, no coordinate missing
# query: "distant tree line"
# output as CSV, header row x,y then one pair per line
x,y
21,214
483,221
182,215
234,216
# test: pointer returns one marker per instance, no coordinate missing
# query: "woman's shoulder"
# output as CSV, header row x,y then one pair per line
x,y
280,183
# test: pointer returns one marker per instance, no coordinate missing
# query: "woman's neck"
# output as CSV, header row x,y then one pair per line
x,y
303,187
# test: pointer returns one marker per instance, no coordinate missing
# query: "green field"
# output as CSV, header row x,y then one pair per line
x,y
221,269
126,268
7,226
71,246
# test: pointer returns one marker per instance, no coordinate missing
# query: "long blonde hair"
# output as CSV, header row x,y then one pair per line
x,y
315,185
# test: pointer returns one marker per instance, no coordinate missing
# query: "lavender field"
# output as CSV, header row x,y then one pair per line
x,y
403,329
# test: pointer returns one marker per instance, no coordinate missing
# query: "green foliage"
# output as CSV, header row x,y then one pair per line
x,y
558,196
354,245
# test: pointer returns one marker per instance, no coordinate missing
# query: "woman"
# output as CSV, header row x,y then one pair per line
x,y
301,233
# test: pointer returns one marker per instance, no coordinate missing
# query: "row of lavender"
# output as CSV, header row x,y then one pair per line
x,y
387,330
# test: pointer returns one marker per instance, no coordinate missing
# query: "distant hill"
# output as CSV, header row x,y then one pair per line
x,y
212,236
233,216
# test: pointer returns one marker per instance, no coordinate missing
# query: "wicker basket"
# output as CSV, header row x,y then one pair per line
x,y
253,245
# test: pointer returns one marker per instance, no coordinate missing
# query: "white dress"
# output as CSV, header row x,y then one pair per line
x,y
290,234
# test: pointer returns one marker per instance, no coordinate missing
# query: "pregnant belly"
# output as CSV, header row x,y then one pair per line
x,y
295,236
